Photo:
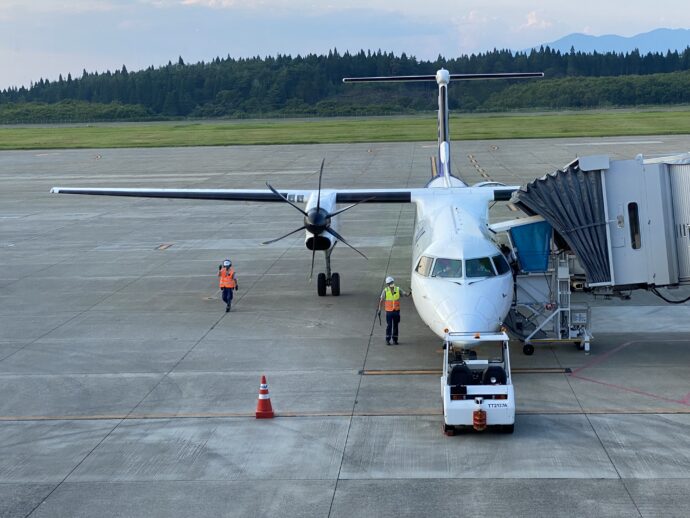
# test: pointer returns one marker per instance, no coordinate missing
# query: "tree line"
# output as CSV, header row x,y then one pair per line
x,y
312,85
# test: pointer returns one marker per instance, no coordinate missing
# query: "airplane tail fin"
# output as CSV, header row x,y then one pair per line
x,y
442,78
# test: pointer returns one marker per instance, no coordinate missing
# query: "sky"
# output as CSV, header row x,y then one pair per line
x,y
45,38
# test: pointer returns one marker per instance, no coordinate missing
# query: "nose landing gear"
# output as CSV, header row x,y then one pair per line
x,y
328,279
333,281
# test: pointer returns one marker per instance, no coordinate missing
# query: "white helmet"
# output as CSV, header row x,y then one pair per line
x,y
227,262
389,279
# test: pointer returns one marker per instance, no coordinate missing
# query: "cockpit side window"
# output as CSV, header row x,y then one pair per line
x,y
500,264
480,267
450,268
424,266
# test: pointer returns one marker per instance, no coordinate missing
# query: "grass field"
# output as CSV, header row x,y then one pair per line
x,y
375,129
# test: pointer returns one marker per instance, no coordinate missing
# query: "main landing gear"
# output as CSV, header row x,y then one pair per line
x,y
328,279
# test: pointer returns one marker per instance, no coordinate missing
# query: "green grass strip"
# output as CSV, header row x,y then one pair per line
x,y
345,130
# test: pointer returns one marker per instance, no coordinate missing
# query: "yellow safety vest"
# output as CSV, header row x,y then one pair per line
x,y
392,299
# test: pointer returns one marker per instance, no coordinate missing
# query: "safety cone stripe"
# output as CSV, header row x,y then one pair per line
x,y
264,409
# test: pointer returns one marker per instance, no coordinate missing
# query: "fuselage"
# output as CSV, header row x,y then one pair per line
x,y
460,280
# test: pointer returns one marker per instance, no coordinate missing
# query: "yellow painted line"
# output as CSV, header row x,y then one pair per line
x,y
438,372
401,372
603,411
556,340
541,370
356,413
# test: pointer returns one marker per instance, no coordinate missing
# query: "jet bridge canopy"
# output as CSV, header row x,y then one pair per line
x,y
572,201
628,221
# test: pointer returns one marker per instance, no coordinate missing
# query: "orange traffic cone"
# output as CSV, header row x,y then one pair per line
x,y
264,410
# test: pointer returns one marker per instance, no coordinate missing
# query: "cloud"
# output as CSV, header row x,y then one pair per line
x,y
535,22
215,4
475,17
60,6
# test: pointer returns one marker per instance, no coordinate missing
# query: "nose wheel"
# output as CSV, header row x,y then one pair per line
x,y
322,282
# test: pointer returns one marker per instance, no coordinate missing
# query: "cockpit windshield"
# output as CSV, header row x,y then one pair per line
x,y
480,267
450,268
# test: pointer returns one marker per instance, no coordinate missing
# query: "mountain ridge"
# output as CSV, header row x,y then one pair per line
x,y
658,40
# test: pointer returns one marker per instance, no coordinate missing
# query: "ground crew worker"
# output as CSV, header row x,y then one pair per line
x,y
390,302
227,282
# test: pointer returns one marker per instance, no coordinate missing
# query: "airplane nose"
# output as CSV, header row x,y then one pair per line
x,y
465,309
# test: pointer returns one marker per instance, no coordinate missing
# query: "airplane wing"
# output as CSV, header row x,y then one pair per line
x,y
294,195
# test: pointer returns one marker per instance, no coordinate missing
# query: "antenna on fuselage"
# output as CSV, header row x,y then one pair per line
x,y
442,78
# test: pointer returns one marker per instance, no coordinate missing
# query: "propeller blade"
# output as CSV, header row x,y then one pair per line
x,y
285,199
311,272
341,238
350,206
318,199
283,237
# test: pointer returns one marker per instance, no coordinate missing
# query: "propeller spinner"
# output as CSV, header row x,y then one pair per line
x,y
317,220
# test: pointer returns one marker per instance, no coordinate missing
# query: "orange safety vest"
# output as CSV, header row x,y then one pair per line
x,y
392,299
227,278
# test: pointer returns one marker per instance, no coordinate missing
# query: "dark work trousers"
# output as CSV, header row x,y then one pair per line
x,y
227,295
392,321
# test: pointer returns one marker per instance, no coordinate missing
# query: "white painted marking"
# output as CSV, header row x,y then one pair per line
x,y
616,143
149,177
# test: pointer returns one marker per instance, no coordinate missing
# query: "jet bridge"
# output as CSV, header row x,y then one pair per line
x,y
624,224
628,221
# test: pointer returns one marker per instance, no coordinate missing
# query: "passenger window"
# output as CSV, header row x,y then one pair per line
x,y
424,266
500,264
479,268
634,219
449,268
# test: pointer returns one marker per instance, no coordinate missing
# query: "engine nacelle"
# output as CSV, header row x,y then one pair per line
x,y
322,240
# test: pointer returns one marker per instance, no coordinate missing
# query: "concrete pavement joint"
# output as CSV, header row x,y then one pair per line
x,y
371,337
302,414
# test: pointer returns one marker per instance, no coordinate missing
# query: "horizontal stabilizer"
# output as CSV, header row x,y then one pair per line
x,y
432,77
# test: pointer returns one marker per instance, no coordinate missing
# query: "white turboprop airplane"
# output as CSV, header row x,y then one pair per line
x,y
460,281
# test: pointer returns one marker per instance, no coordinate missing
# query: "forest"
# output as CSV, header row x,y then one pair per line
x,y
311,85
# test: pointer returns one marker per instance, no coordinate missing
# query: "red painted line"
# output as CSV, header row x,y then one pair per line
x,y
605,356
684,402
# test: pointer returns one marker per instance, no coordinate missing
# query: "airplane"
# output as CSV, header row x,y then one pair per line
x,y
461,283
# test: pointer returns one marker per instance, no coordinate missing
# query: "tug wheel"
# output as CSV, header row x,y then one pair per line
x,y
449,430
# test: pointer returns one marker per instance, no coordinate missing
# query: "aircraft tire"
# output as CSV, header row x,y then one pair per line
x,y
528,349
335,284
321,284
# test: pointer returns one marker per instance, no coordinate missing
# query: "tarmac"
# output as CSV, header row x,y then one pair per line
x,y
128,391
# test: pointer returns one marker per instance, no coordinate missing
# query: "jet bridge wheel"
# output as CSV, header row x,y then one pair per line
x,y
335,284
321,284
528,349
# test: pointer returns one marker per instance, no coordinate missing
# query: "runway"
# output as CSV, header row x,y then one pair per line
x,y
128,391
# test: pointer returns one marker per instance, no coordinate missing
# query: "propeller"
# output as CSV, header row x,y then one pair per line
x,y
317,220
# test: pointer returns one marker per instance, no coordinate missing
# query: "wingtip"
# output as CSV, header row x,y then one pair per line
x,y
55,190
